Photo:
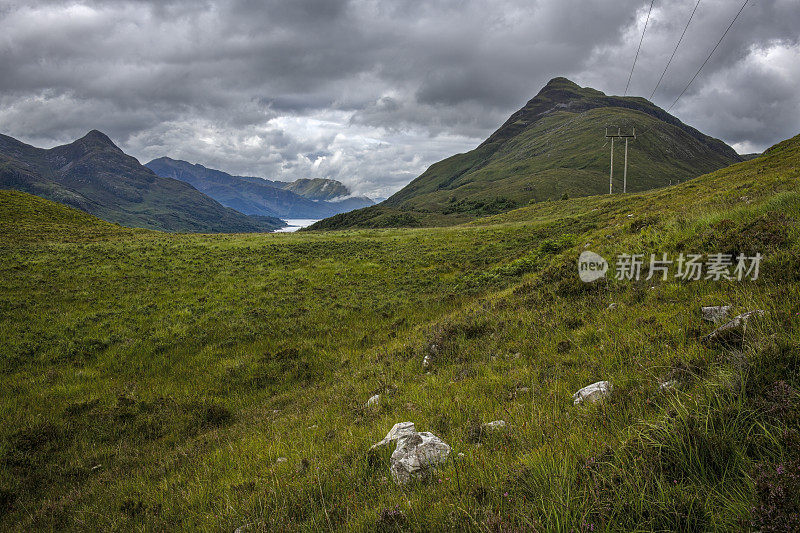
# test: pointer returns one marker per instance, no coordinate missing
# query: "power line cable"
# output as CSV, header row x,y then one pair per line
x,y
640,47
675,51
709,55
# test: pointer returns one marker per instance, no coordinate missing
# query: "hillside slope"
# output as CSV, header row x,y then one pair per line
x,y
210,382
256,196
94,175
553,146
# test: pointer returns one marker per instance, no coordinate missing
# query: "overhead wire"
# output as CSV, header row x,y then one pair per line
x,y
709,55
640,47
674,51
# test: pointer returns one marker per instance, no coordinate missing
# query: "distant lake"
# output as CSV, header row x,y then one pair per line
x,y
295,224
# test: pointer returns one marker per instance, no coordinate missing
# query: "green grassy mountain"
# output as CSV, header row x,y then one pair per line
x,y
553,146
209,382
305,198
94,175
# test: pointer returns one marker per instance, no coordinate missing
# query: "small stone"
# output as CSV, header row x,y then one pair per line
x,y
426,361
523,390
732,333
667,385
715,313
373,400
593,393
495,424
612,306
280,460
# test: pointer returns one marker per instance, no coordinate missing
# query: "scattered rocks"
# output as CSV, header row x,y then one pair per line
x,y
593,393
416,455
373,400
401,429
715,313
732,333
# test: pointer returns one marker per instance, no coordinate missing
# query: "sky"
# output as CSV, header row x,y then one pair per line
x,y
371,92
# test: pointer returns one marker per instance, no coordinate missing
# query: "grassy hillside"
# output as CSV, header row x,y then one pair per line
x,y
153,381
552,147
94,175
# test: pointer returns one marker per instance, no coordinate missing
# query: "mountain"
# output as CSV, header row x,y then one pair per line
x,y
305,198
554,146
318,188
94,175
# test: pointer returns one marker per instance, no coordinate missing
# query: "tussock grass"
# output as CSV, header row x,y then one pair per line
x,y
152,381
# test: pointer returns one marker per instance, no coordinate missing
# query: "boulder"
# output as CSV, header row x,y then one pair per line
x,y
416,455
593,393
401,429
715,313
732,333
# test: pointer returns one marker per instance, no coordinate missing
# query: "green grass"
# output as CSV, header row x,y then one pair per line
x,y
152,380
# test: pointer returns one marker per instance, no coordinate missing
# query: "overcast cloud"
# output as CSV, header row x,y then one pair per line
x,y
371,92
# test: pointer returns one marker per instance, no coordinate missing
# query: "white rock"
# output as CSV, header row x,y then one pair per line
x,y
373,400
415,455
281,460
715,313
593,393
667,385
495,424
734,330
401,429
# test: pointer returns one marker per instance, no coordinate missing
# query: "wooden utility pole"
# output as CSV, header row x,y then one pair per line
x,y
614,136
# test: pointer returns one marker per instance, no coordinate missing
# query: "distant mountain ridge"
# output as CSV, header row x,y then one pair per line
x,y
96,176
551,147
304,198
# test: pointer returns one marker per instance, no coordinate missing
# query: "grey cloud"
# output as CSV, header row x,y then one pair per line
x,y
371,91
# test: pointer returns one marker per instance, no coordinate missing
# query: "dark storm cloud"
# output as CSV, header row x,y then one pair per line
x,y
368,91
